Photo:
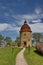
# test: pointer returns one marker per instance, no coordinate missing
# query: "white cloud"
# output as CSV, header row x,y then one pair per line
x,y
38,27
3,26
28,16
35,18
38,10
13,28
35,21
32,16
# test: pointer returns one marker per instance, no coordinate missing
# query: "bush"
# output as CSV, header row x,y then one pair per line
x,y
39,48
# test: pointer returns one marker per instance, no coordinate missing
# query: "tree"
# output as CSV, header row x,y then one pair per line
x,y
18,41
37,36
8,40
1,38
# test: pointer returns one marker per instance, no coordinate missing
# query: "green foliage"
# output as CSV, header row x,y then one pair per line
x,y
18,41
1,37
37,36
7,57
8,40
33,58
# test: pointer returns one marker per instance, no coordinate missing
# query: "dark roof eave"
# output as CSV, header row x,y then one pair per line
x,y
25,31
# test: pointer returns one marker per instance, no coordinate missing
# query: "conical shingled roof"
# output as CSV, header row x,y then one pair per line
x,y
25,27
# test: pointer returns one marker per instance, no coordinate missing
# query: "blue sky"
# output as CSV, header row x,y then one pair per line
x,y
13,13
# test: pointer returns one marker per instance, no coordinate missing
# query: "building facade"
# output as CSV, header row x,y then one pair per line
x,y
25,35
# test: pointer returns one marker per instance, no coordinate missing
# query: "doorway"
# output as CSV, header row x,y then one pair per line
x,y
24,44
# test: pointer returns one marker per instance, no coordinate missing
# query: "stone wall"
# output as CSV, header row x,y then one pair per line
x,y
27,37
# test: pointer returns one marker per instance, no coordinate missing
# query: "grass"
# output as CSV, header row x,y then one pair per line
x,y
8,56
33,58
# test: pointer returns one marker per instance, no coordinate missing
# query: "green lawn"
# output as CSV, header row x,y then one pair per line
x,y
8,56
33,58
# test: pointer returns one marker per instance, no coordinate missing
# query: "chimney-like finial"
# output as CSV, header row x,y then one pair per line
x,y
25,22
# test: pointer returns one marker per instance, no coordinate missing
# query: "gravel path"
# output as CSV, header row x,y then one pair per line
x,y
20,58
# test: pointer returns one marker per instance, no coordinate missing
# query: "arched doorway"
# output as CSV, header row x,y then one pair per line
x,y
24,43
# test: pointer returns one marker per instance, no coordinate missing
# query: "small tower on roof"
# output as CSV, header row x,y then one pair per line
x,y
25,21
25,35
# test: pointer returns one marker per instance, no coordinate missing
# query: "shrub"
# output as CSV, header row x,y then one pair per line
x,y
39,47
